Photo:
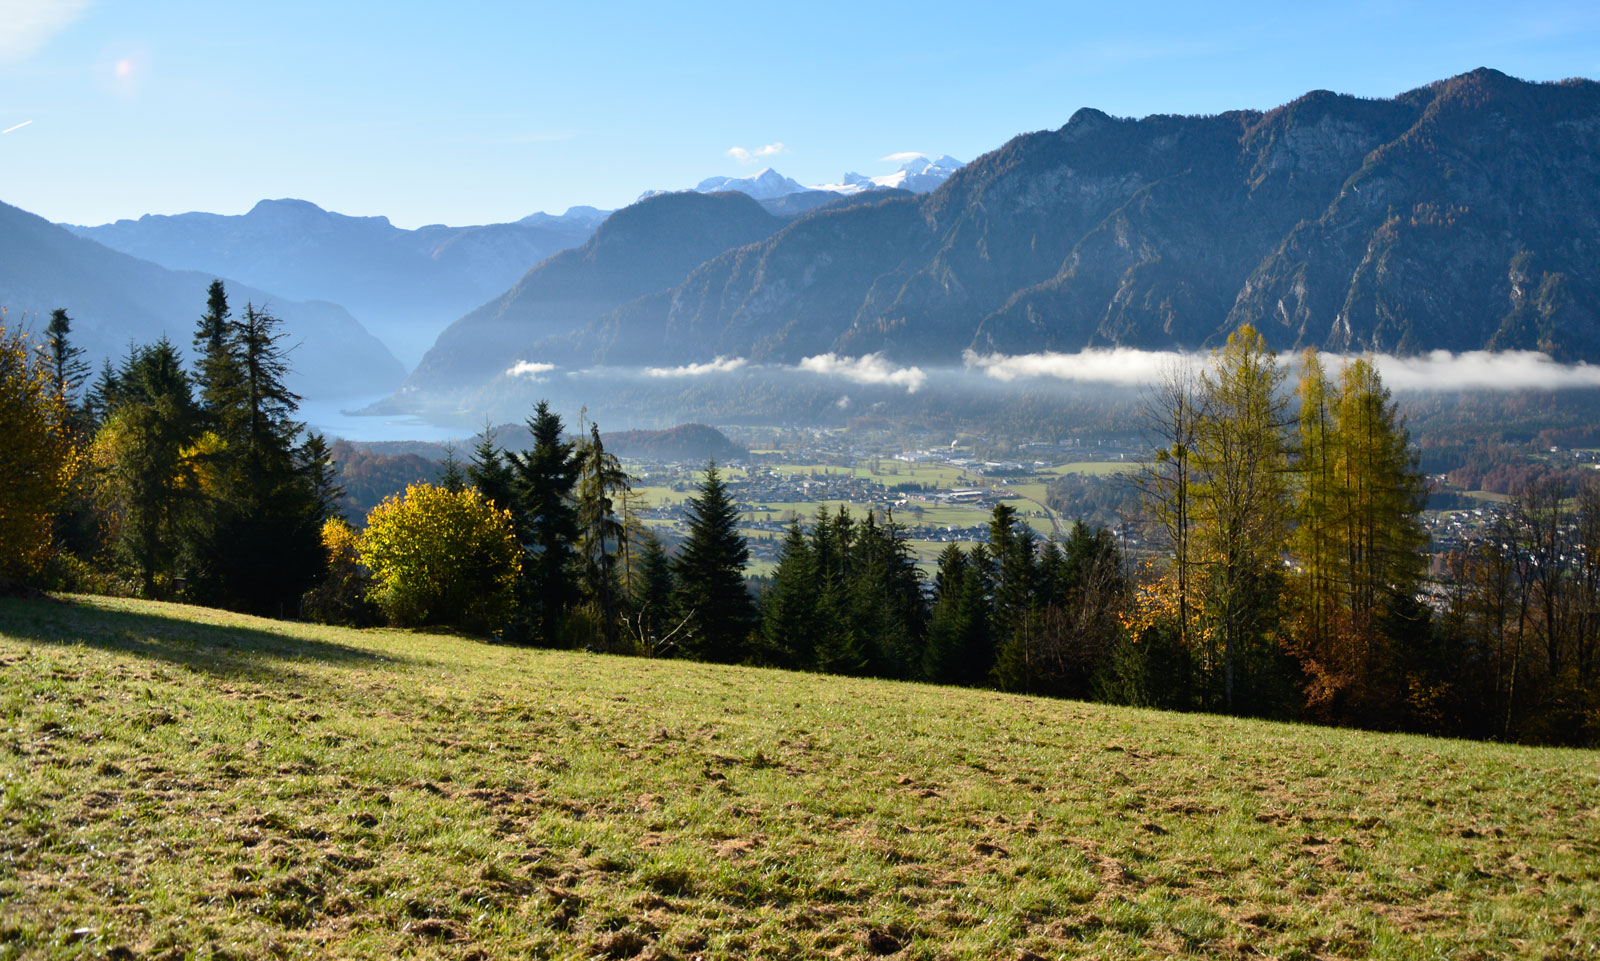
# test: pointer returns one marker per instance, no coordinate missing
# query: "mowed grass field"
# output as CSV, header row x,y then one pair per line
x,y
180,782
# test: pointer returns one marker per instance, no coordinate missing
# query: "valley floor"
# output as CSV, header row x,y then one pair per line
x,y
183,782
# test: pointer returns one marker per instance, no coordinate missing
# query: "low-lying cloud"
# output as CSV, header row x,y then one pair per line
x,y
1437,370
1480,370
1118,365
527,368
722,365
871,369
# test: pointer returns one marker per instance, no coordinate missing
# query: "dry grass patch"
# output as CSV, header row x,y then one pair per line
x,y
178,782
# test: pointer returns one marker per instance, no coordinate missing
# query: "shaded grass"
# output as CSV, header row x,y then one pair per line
x,y
183,782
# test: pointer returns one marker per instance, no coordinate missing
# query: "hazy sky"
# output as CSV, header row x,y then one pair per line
x,y
475,112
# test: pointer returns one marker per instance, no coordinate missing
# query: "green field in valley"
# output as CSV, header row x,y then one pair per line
x,y
180,782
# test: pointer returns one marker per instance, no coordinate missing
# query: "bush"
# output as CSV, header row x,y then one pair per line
x,y
441,558
341,598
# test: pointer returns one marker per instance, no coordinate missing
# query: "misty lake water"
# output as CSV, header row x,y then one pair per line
x,y
333,418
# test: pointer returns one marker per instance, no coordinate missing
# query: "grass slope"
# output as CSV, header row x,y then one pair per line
x,y
185,782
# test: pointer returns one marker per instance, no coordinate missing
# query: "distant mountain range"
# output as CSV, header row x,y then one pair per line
x,y
405,285
1461,215
782,195
114,300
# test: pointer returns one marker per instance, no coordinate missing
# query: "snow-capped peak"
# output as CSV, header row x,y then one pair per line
x,y
918,174
766,185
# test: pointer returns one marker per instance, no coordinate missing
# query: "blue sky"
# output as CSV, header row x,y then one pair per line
x,y
478,112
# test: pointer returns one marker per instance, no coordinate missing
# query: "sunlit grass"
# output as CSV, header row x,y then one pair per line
x,y
179,782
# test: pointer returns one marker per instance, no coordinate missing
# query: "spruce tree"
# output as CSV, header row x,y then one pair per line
x,y
217,366
789,609
650,596
601,481
67,367
451,477
490,473
710,576
261,550
102,396
547,524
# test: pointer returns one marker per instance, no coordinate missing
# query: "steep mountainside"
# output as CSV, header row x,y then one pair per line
x,y
1461,215
405,285
114,299
647,247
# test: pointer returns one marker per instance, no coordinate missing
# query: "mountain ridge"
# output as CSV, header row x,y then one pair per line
x,y
1170,231
114,298
406,284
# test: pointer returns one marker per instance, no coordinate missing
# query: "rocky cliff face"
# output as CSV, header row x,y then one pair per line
x,y
1461,215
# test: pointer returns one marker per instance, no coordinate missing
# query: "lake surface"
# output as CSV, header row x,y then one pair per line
x,y
331,418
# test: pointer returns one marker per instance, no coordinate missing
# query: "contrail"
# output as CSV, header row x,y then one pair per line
x,y
16,127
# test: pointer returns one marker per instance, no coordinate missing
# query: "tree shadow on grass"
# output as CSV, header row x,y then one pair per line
x,y
220,650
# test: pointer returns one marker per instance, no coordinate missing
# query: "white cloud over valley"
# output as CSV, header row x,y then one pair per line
x,y
527,368
1437,370
721,365
871,369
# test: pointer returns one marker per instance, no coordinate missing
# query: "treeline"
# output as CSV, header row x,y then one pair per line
x,y
1292,581
177,481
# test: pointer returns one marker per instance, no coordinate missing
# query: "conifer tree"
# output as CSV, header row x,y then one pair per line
x,y
547,524
67,367
601,481
710,576
451,477
489,471
1314,536
101,396
650,595
217,367
789,609
261,549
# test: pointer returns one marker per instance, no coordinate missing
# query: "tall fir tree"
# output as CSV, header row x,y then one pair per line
x,y
602,532
490,472
789,607
650,594
67,367
547,524
709,572
451,476
261,550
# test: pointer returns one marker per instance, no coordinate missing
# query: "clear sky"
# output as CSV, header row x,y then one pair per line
x,y
473,112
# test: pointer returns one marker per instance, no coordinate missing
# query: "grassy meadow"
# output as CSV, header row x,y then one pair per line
x,y
179,782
